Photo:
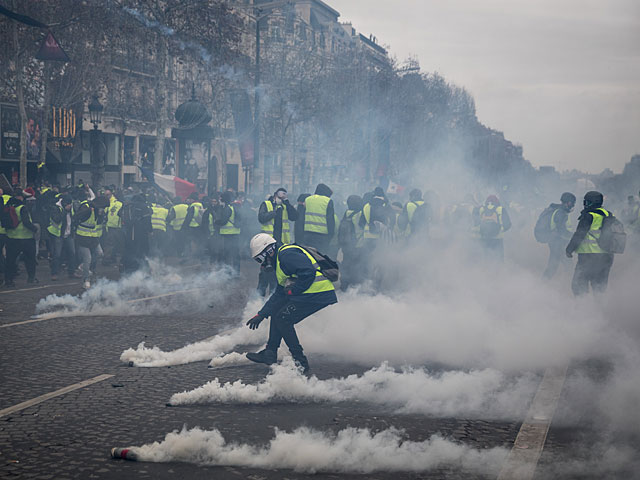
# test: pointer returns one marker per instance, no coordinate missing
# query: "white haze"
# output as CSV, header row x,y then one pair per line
x,y
479,393
130,295
351,450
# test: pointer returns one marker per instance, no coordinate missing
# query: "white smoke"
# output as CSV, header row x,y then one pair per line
x,y
229,360
481,393
351,450
143,356
157,289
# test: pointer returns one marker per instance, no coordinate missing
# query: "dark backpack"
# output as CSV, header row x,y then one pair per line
x,y
489,223
328,266
613,238
542,231
8,217
347,231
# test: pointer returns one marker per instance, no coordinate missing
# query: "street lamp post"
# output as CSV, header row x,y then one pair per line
x,y
97,146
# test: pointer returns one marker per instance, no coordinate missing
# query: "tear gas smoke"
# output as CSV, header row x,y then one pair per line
x,y
143,356
305,450
481,393
145,292
229,360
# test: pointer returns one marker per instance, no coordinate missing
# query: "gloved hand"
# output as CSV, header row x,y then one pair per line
x,y
568,254
254,322
289,292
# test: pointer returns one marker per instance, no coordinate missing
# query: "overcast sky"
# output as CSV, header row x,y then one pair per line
x,y
560,77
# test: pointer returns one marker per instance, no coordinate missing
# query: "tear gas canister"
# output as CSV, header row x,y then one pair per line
x,y
124,453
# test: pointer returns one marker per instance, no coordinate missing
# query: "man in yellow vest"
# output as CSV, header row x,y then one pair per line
x,y
414,220
192,224
490,221
176,219
302,291
350,240
159,227
4,199
21,239
114,237
60,237
227,219
594,264
319,218
88,220
560,232
274,216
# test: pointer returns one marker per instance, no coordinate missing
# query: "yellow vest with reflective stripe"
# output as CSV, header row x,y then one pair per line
x,y
320,284
554,226
197,214
229,228
268,227
366,211
412,206
55,228
6,199
181,214
159,218
315,215
498,216
90,227
212,227
590,242
20,232
113,219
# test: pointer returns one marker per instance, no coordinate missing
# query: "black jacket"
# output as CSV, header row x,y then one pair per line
x,y
584,225
265,216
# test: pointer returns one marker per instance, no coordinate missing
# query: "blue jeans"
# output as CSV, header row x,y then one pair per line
x,y
88,258
62,248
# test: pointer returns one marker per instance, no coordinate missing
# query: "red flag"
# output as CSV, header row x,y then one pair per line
x,y
50,49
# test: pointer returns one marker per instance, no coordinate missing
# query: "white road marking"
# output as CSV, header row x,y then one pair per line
x,y
39,288
523,458
52,315
57,393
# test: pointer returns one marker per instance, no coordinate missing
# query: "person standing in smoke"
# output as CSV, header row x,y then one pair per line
x,y
136,220
302,291
210,230
88,220
227,219
319,219
274,215
350,241
490,221
594,264
298,228
560,232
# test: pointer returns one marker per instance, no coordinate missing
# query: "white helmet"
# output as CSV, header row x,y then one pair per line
x,y
259,243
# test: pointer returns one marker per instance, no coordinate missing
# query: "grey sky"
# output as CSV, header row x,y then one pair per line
x,y
562,78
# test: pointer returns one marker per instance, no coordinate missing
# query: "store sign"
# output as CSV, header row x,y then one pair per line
x,y
9,132
63,126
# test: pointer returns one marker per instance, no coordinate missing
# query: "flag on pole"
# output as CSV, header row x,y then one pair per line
x,y
173,186
394,188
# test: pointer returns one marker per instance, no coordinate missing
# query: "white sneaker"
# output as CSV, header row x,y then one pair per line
x,y
87,285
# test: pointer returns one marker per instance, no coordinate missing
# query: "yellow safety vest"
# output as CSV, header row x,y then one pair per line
x,y
590,242
315,215
6,199
366,211
268,227
229,228
20,232
113,219
55,228
181,214
495,213
212,227
197,214
90,227
411,210
320,284
554,226
159,218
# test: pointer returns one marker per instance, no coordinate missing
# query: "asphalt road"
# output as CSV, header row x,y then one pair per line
x,y
70,436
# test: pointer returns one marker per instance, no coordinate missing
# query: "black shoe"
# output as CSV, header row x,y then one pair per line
x,y
302,363
265,356
33,280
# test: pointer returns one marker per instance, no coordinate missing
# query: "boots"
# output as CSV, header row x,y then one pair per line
x,y
268,357
302,362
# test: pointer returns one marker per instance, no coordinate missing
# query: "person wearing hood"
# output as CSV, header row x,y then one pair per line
x,y
490,221
376,215
594,264
88,221
560,233
319,218
21,239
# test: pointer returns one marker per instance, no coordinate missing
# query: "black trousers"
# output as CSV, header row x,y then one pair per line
x,y
231,251
320,241
282,326
3,243
14,248
351,270
592,270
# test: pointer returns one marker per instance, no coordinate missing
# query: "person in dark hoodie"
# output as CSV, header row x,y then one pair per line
x,y
298,228
88,220
228,219
136,222
302,291
61,237
21,239
560,233
350,241
319,218
376,215
594,264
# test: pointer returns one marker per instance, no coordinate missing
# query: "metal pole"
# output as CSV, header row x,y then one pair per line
x,y
256,119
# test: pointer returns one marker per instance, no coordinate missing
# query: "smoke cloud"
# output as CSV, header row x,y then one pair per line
x,y
480,393
351,450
